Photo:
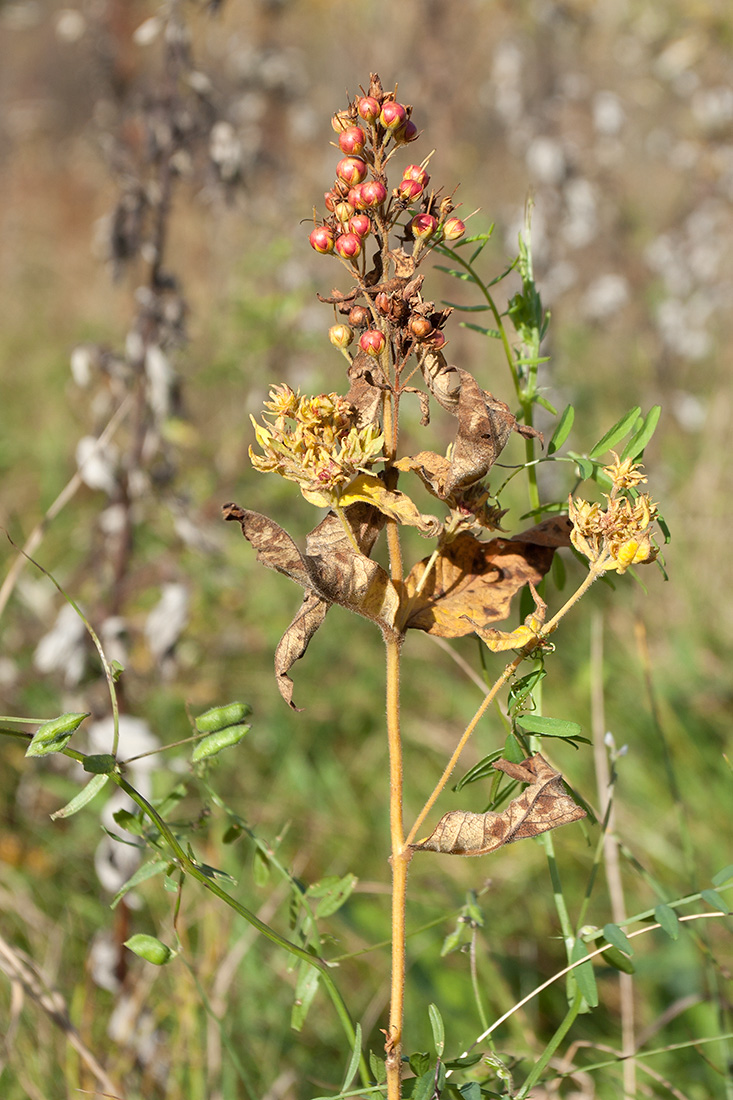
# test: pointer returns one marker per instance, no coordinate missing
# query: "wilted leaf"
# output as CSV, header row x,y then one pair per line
x,y
331,571
368,489
473,582
484,422
543,805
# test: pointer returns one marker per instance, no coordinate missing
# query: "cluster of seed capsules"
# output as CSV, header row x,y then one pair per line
x,y
359,204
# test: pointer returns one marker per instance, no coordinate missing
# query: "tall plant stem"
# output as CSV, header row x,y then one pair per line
x,y
400,860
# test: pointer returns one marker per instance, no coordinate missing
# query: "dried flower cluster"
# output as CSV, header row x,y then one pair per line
x,y
618,536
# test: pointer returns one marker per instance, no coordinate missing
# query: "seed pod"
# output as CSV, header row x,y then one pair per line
x,y
218,718
150,949
215,742
55,735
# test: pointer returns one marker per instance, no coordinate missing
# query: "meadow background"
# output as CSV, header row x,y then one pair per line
x,y
618,118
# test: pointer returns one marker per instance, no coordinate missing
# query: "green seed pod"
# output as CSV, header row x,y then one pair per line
x,y
215,742
55,735
150,949
218,718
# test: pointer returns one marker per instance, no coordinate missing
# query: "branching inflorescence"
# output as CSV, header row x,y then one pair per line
x,y
342,452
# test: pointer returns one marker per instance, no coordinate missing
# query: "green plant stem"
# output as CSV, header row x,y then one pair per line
x,y
552,1046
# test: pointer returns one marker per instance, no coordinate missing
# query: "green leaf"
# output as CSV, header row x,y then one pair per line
x,y
618,960
668,920
562,431
715,901
454,940
99,764
419,1062
523,687
232,833
723,876
426,1085
464,1062
378,1068
639,440
260,868
616,936
148,870
470,1091
438,1029
131,822
85,795
539,398
583,974
338,893
549,727
585,466
116,669
621,428
305,990
354,1060
149,948
53,736
492,333
480,770
513,750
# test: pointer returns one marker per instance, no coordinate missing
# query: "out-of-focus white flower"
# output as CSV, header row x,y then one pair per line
x,y
167,620
97,464
63,648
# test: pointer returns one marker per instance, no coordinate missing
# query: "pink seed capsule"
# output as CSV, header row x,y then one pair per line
x,y
423,226
321,239
372,342
453,228
373,194
351,170
352,141
348,246
416,172
368,108
393,116
361,225
409,190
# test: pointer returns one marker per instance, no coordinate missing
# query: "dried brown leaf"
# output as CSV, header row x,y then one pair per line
x,y
472,582
331,571
543,805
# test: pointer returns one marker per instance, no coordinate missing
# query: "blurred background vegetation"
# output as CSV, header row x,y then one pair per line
x,y
617,117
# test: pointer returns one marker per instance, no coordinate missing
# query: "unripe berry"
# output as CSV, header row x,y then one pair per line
x,y
420,327
352,141
409,190
340,336
321,239
423,226
359,316
453,228
372,342
416,172
348,246
343,211
406,133
368,108
361,225
393,116
351,170
373,194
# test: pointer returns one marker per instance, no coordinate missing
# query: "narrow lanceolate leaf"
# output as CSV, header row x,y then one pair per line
x,y
334,897
85,795
354,1060
615,434
583,974
148,870
618,960
543,805
548,727
639,440
723,876
668,920
438,1029
715,900
562,431
618,938
305,990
